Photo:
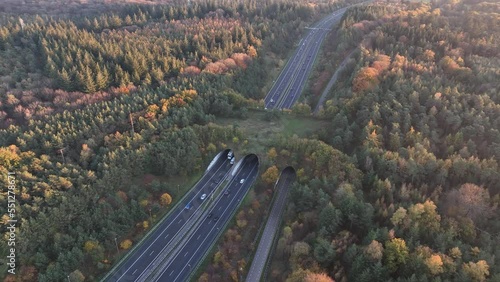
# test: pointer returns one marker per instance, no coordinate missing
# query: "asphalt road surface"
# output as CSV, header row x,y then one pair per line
x,y
142,258
201,240
271,229
290,83
329,86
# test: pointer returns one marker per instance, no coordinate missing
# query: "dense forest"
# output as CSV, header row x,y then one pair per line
x,y
417,109
99,113
51,64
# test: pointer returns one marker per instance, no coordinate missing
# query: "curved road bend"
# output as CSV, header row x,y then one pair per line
x,y
139,262
201,241
291,81
273,222
332,81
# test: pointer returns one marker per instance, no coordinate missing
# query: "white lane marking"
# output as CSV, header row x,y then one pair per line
x,y
135,271
186,254
166,236
205,238
219,208
180,220
168,225
152,252
198,237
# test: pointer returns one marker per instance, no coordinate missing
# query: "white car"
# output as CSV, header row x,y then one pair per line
x,y
242,180
203,196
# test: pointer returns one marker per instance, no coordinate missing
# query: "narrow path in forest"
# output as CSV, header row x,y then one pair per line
x,y
331,83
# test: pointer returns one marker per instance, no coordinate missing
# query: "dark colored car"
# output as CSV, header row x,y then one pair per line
x,y
216,218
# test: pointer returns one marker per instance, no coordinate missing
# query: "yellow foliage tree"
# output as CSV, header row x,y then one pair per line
x,y
477,271
9,157
144,203
217,257
271,175
165,199
90,246
435,264
318,277
241,223
126,244
272,154
251,51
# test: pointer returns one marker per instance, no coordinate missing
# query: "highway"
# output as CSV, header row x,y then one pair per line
x,y
261,256
287,89
140,261
199,243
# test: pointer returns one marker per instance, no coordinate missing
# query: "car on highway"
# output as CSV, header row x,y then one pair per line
x,y
242,180
226,192
210,215
203,197
188,206
216,218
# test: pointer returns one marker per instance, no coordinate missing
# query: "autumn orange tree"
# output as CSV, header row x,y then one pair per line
x,y
318,277
365,79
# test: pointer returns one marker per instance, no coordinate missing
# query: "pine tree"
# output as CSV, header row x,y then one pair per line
x,y
64,80
88,83
101,78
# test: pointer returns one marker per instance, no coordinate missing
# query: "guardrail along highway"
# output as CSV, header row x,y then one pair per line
x,y
140,261
198,244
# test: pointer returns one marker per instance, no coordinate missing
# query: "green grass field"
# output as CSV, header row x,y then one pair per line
x,y
256,127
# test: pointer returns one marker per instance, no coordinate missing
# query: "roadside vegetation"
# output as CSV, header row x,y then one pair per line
x,y
104,115
417,111
97,128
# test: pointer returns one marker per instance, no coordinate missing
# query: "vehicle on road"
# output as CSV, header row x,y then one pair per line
x,y
210,215
226,193
232,161
216,218
229,155
188,206
203,197
242,180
